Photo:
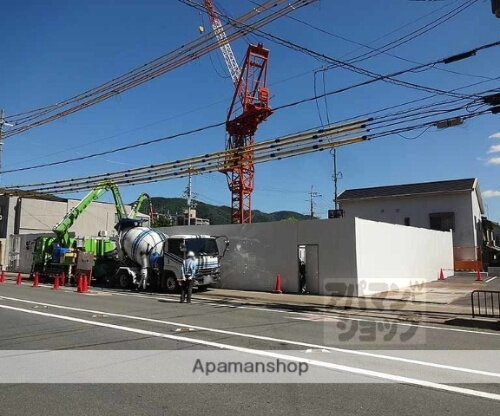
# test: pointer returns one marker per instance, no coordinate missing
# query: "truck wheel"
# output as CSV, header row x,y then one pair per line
x,y
124,280
203,288
171,283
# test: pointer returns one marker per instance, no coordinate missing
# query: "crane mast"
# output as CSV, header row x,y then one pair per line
x,y
225,47
252,93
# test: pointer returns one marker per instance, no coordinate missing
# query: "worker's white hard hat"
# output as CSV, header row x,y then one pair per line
x,y
190,254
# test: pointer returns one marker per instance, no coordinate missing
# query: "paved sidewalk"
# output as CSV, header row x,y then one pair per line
x,y
445,301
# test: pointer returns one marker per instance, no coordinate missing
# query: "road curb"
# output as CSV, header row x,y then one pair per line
x,y
475,323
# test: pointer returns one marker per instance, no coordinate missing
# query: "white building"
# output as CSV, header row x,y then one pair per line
x,y
445,205
345,256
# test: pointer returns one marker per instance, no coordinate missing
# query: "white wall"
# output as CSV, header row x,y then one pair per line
x,y
337,253
476,220
355,256
258,252
396,256
417,208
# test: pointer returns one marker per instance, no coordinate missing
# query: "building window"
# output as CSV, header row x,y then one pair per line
x,y
407,220
442,221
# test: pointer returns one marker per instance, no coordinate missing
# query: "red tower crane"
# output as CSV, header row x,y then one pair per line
x,y
241,124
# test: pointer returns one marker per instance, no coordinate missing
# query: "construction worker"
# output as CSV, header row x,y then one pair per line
x,y
188,274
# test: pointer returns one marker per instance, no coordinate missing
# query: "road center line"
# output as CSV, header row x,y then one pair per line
x,y
317,363
263,338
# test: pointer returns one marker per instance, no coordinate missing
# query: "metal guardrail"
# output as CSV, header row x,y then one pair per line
x,y
487,303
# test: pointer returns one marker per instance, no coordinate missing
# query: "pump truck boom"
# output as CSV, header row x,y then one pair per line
x,y
57,254
137,205
61,229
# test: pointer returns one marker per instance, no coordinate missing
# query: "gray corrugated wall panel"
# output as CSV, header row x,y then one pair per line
x,y
258,252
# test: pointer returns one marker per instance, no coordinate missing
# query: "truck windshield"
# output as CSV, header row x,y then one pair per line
x,y
202,246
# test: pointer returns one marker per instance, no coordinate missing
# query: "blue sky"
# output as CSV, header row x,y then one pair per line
x,y
54,49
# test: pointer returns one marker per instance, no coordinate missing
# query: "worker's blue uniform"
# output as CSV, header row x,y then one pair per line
x,y
189,266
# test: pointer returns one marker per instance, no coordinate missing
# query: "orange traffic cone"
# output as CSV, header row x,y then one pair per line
x,y
2,277
85,284
19,279
36,280
63,279
479,278
79,284
441,275
56,282
277,288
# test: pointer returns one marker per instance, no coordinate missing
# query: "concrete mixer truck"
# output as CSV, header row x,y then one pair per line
x,y
151,259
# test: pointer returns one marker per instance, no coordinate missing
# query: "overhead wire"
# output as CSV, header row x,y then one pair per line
x,y
321,56
419,32
202,128
374,49
218,124
208,162
155,68
391,75
278,155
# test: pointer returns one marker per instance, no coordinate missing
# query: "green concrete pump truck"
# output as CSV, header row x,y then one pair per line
x,y
137,257
55,255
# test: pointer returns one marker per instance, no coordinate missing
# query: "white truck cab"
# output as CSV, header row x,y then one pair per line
x,y
166,270
207,254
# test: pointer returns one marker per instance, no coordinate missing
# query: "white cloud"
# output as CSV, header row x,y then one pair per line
x,y
494,149
495,136
490,194
494,161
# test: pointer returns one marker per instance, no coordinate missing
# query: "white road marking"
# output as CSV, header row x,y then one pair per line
x,y
263,338
491,278
329,314
317,363
319,315
335,314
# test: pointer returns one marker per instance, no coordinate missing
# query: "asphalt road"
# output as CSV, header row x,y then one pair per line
x,y
358,366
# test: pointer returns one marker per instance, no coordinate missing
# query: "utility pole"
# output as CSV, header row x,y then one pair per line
x,y
336,176
188,193
2,123
313,194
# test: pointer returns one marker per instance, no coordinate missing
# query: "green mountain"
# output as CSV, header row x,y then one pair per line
x,y
218,214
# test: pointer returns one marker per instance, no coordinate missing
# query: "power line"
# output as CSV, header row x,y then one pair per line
x,y
420,31
288,146
392,75
323,57
379,50
291,104
186,53
375,49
